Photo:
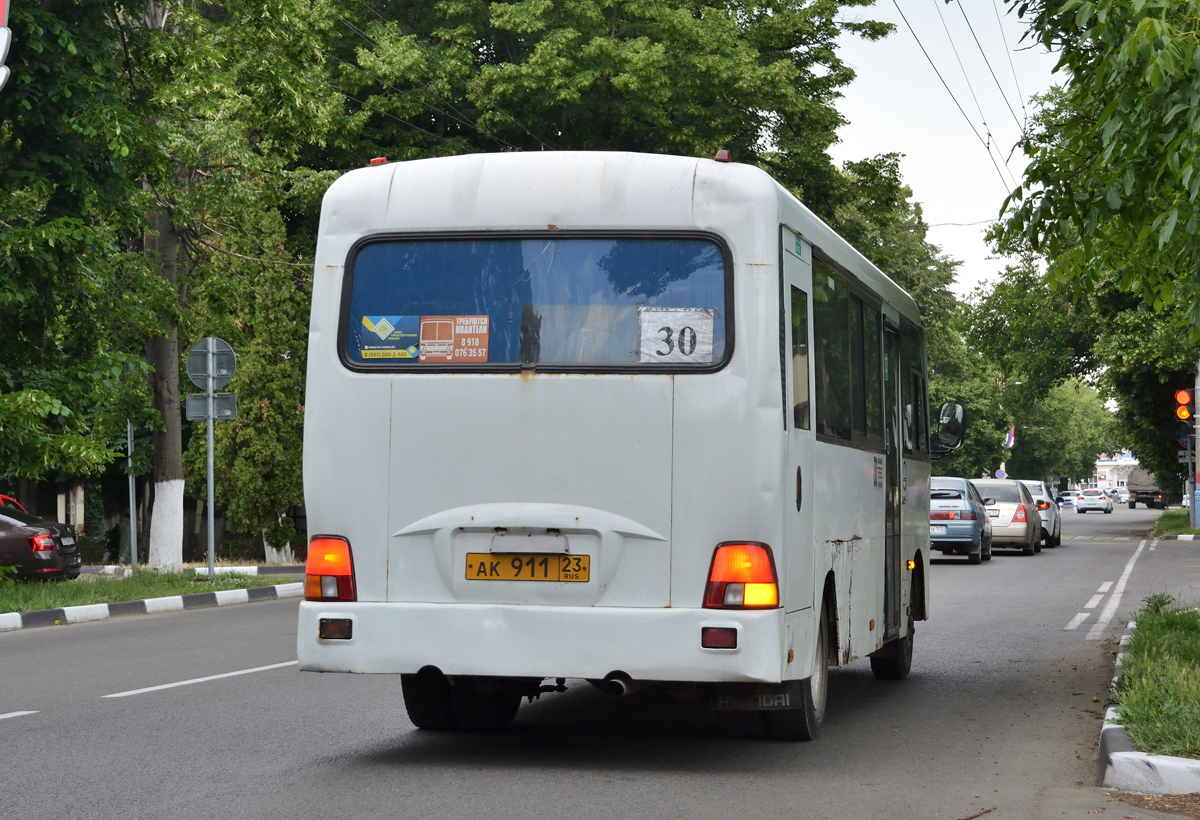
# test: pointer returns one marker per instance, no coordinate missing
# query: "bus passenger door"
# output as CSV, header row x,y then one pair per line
x,y
798,371
894,454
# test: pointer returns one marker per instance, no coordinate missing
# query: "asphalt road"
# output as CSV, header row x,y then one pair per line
x,y
998,713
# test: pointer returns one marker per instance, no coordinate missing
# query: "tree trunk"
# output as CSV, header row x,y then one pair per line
x,y
162,354
283,555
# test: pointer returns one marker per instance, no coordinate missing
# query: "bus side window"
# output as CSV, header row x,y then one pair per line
x,y
831,334
800,408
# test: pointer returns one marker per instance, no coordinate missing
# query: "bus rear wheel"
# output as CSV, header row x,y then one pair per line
x,y
427,700
894,660
804,723
484,704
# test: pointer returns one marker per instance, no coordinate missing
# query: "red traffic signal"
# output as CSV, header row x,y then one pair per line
x,y
1184,404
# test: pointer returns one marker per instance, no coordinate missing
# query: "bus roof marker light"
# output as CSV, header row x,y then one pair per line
x,y
724,155
742,577
378,161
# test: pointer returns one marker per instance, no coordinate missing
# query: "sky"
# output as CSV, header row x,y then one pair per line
x,y
898,104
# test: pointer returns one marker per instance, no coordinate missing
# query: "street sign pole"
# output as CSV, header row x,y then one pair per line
x,y
132,497
212,344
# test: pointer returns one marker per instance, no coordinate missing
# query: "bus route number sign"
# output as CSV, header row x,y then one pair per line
x,y
675,335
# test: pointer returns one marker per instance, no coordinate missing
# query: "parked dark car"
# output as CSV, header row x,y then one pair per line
x,y
37,548
958,520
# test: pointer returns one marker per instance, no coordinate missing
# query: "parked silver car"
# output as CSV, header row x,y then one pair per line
x,y
1015,522
1048,510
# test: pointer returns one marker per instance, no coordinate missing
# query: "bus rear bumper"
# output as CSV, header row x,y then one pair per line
x,y
542,641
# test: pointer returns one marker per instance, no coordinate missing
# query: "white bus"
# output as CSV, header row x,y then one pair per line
x,y
678,435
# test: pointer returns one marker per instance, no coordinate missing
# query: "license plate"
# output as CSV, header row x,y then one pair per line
x,y
525,566
937,529
68,541
993,513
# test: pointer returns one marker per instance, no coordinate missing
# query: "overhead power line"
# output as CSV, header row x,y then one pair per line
x,y
1013,68
970,124
987,129
987,62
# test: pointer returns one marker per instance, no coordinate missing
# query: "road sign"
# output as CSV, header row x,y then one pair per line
x,y
224,363
1181,456
1001,474
224,406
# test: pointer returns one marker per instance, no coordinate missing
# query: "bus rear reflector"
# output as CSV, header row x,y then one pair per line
x,y
742,577
329,572
718,637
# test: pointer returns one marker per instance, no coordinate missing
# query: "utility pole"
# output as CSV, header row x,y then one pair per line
x,y
133,556
1192,473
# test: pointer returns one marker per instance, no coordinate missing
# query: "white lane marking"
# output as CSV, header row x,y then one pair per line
x,y
201,680
16,714
1076,621
1105,587
1094,602
1152,546
232,596
86,612
1114,600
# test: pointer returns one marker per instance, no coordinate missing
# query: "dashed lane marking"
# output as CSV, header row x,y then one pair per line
x,y
1105,587
1076,621
16,714
201,680
1094,602
1114,600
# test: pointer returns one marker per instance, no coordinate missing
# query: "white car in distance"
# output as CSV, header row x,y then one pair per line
x,y
1097,500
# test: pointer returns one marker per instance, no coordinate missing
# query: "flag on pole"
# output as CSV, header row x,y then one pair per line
x,y
1010,438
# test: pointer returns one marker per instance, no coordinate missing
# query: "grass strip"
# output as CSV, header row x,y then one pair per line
x,y
1174,522
25,597
1159,689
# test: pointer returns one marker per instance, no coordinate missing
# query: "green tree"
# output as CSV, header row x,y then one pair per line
x,y
1114,175
1061,435
75,297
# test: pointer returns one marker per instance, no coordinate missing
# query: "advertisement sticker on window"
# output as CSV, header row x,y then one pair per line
x,y
389,337
675,335
454,339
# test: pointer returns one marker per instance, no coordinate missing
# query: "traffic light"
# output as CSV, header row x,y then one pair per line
x,y
1185,410
1185,406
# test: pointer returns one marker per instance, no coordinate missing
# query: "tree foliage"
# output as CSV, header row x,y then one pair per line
x,y
1114,175
74,299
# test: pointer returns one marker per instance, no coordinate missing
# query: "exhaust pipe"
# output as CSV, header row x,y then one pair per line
x,y
618,684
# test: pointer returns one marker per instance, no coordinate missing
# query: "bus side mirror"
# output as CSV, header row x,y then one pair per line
x,y
951,429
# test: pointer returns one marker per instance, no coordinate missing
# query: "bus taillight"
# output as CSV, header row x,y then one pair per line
x,y
742,577
329,572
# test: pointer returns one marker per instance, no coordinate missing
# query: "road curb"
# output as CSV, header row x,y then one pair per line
x,y
1123,767
10,621
1179,537
264,569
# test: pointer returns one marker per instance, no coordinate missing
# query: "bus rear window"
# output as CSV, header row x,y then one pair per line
x,y
569,303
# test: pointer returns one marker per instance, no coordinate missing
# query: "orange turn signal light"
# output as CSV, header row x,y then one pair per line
x,y
329,571
742,577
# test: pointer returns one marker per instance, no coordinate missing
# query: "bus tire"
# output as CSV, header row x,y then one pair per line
x,y
427,700
804,723
894,660
484,704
